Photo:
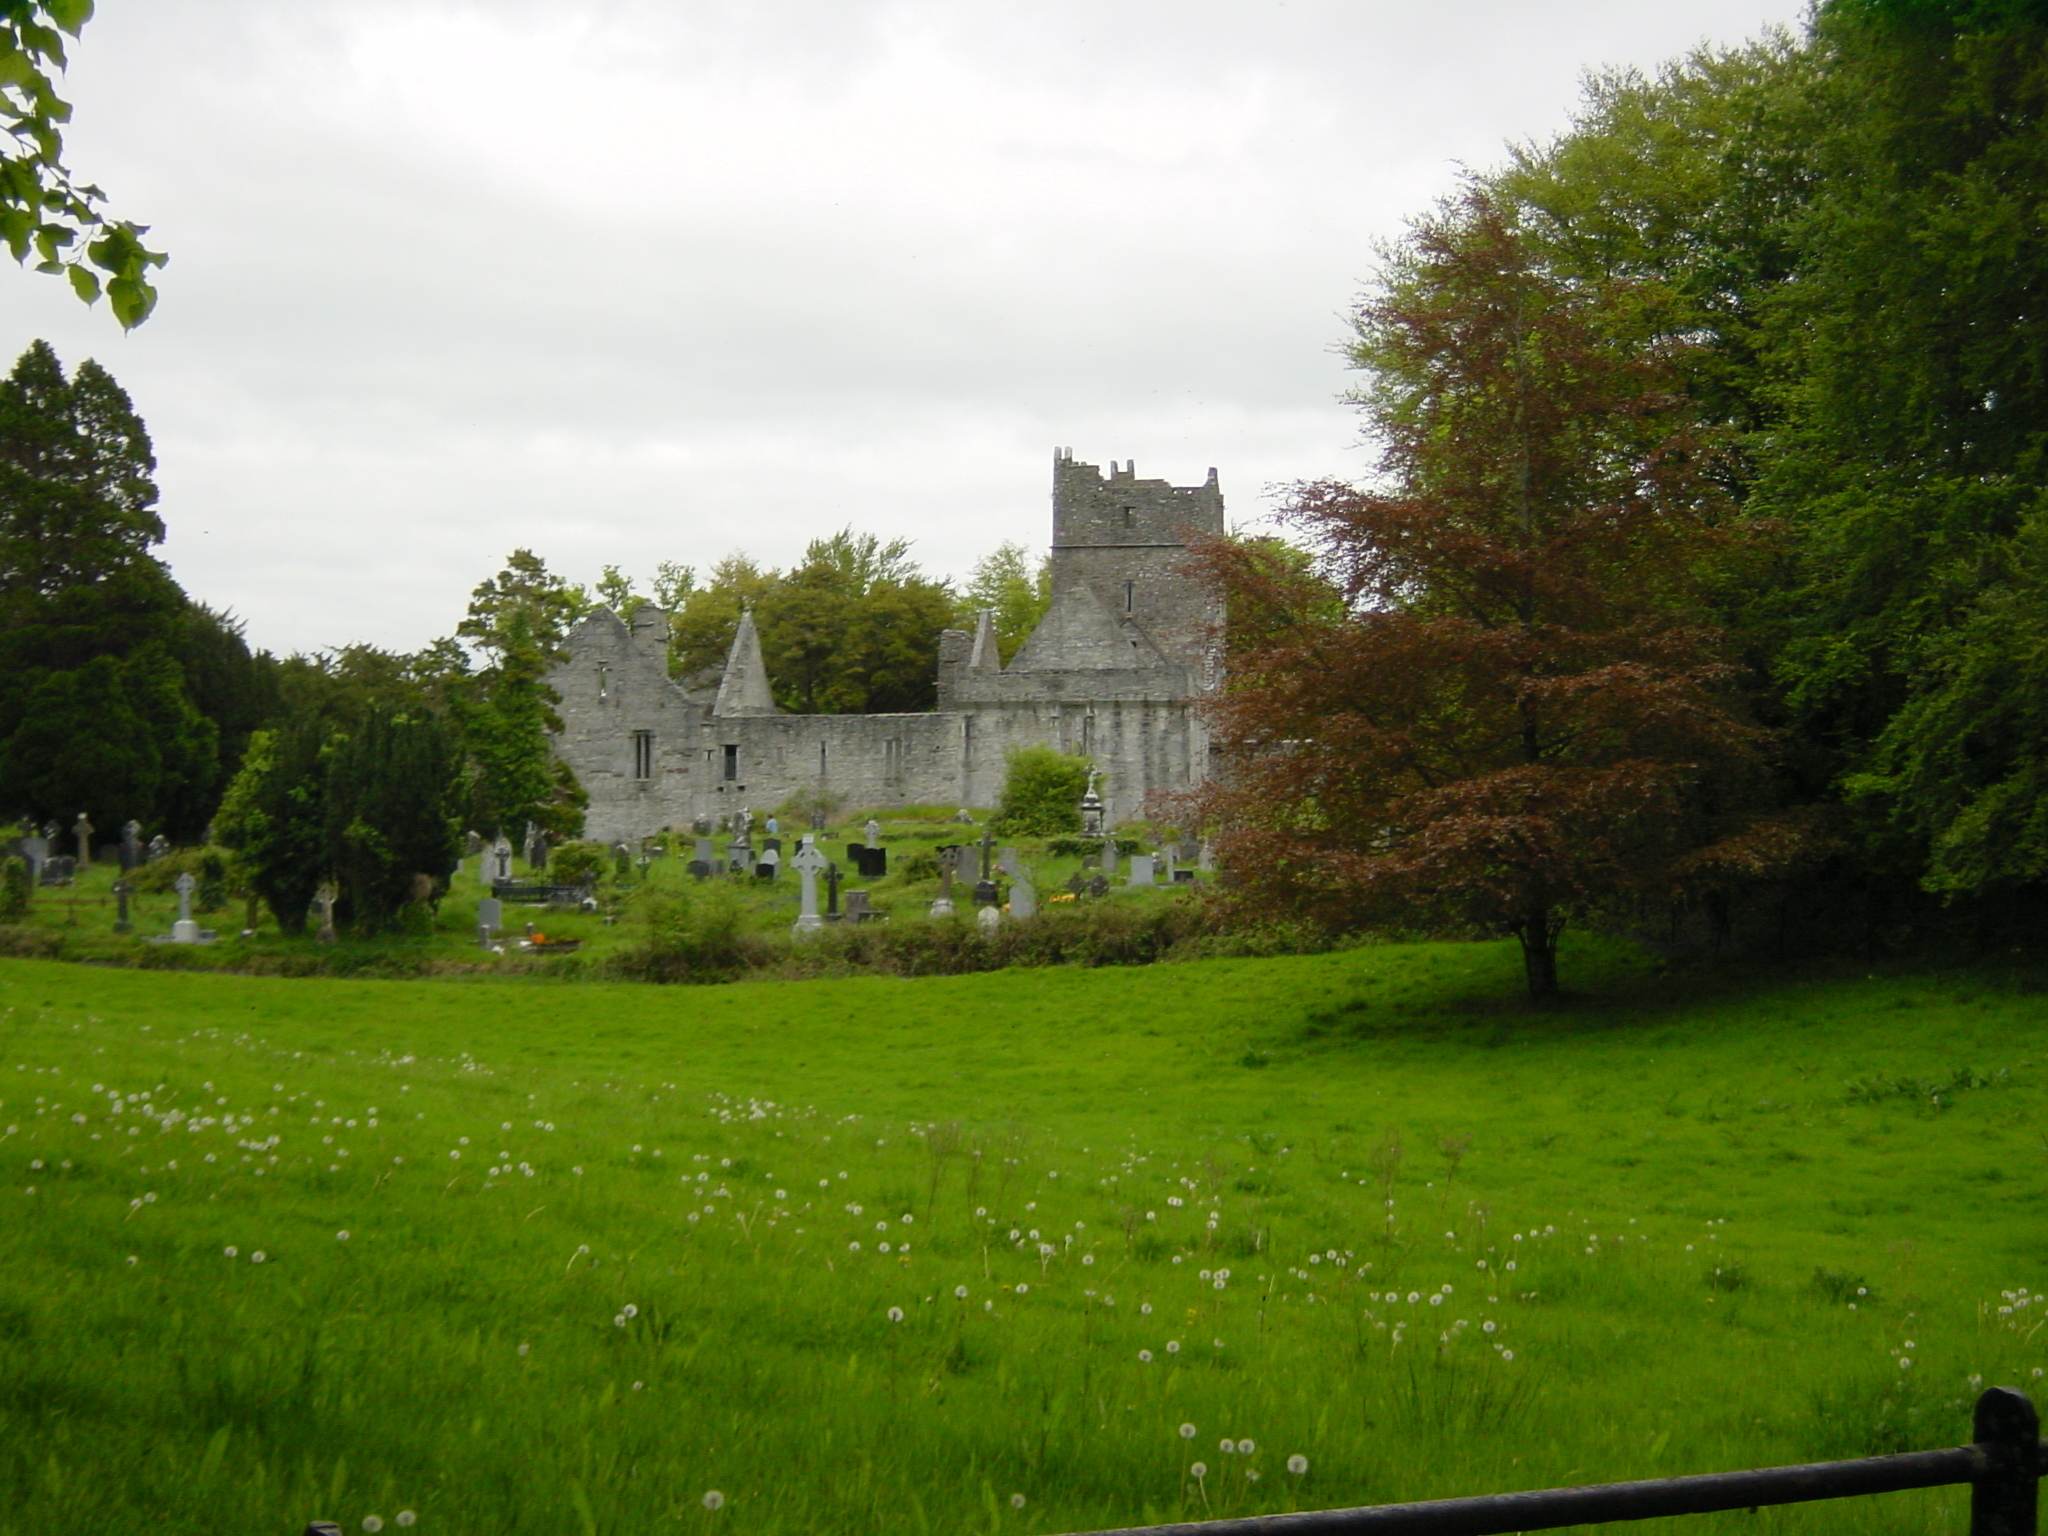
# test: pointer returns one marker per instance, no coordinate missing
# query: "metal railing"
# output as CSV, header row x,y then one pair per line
x,y
2003,1469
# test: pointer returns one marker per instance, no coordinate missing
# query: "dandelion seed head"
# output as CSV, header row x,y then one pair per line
x,y
1016,1501
373,1522
714,1500
1145,1356
1199,1469
960,1292
1297,1465
406,1517
895,1314
1246,1447
1187,1431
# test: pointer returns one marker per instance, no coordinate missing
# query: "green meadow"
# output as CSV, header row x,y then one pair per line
x,y
1033,1251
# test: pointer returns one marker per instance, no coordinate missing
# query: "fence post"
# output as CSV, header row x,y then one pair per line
x,y
2003,1497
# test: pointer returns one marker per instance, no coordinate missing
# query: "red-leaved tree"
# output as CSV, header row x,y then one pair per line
x,y
1493,699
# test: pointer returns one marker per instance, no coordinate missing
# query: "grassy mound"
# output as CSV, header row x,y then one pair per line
x,y
880,1254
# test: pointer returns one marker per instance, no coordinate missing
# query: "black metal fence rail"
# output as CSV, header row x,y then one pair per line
x,y
2003,1469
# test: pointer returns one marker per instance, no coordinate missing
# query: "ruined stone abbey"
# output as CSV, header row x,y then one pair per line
x,y
1128,646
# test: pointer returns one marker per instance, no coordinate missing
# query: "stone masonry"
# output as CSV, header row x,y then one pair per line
x,y
1128,646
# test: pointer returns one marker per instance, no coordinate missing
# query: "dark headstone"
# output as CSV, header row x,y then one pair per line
x,y
1183,877
700,869
857,907
1099,886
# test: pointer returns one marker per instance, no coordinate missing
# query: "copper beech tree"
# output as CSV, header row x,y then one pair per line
x,y
1492,698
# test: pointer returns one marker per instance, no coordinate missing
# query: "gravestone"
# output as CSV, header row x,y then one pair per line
x,y
35,852
772,845
1077,885
1205,860
809,863
1023,895
874,863
985,892
472,845
131,847
122,891
185,930
1141,869
771,862
159,847
949,861
1091,809
1171,865
490,919
707,853
964,817
872,832
323,902
857,907
856,855
498,862
57,869
833,876
536,847
1109,855
990,918
622,861
1099,886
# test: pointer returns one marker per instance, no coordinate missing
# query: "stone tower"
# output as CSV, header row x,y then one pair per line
x,y
1127,540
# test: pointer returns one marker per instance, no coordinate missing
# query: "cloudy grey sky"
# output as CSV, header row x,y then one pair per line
x,y
632,280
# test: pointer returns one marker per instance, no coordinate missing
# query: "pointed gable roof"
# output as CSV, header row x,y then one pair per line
x,y
743,690
985,657
1080,634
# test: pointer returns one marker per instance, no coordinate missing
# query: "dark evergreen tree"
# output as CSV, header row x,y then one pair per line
x,y
275,816
99,649
393,789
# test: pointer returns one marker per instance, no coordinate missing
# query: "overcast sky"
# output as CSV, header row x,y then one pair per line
x,y
632,280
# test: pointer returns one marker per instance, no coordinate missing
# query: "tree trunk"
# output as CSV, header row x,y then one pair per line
x,y
1539,958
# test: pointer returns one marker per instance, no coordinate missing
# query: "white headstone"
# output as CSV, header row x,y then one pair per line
x,y
1141,869
809,863
185,930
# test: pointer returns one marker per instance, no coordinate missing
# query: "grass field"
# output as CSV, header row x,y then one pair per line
x,y
972,1254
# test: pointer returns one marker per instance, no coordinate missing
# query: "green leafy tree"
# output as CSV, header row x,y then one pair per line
x,y
1042,792
506,713
45,215
706,618
1911,470
1015,588
854,629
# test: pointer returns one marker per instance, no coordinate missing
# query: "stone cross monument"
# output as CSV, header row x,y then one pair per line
x,y
809,863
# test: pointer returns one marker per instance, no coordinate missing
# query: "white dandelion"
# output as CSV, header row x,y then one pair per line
x,y
714,1500
1297,1465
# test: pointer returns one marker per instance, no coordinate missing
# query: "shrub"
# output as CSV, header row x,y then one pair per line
x,y
577,864
15,892
1041,793
690,934
216,870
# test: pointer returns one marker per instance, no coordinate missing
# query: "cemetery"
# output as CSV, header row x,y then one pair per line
x,y
593,902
